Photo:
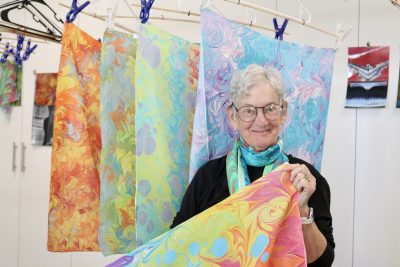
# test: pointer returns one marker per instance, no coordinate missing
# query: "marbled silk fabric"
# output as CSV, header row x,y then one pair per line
x,y
74,185
257,226
18,102
8,83
307,75
46,85
117,161
166,82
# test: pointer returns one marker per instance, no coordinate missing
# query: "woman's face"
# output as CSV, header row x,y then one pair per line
x,y
260,133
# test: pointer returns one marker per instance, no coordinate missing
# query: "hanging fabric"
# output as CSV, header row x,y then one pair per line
x,y
166,82
307,74
117,162
253,227
8,83
74,186
18,102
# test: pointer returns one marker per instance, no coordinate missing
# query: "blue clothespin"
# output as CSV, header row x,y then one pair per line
x,y
28,50
6,53
20,42
17,54
75,9
279,30
4,56
145,10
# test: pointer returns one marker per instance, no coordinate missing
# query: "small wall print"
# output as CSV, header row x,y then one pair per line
x,y
43,110
368,72
42,125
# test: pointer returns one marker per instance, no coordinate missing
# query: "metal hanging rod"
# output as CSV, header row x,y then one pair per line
x,y
188,13
103,18
282,15
10,28
15,39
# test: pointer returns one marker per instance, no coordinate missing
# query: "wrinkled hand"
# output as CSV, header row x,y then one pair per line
x,y
304,182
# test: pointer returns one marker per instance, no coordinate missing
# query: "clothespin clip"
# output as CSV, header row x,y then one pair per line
x,y
341,35
17,53
75,9
28,50
110,19
6,53
279,30
303,10
253,16
206,3
111,15
145,10
20,44
181,8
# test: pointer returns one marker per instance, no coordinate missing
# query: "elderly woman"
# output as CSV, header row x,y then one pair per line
x,y
258,111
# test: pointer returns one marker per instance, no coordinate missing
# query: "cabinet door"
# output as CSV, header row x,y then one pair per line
x,y
10,124
35,181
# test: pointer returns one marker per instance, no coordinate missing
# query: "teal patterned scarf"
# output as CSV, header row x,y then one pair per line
x,y
241,156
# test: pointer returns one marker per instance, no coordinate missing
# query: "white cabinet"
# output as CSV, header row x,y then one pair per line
x,y
10,179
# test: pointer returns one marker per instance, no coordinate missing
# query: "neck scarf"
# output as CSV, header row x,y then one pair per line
x,y
241,156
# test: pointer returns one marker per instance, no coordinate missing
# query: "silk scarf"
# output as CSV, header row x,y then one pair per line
x,y
117,162
257,226
166,82
241,156
74,184
8,83
307,74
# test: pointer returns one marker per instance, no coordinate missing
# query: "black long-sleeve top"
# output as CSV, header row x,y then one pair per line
x,y
210,186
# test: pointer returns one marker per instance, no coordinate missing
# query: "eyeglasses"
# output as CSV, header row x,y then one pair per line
x,y
249,113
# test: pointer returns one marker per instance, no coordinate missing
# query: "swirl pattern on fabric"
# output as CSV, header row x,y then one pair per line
x,y
257,226
74,185
166,83
117,162
8,83
307,74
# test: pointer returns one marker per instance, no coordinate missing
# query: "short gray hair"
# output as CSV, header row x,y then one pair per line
x,y
243,80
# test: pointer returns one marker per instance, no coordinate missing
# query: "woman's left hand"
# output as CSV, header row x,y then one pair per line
x,y
304,182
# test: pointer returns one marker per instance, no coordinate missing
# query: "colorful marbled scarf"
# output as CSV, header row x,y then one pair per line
x,y
166,82
307,73
75,185
117,233
258,226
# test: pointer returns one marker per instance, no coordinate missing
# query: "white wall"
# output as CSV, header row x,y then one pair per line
x,y
360,154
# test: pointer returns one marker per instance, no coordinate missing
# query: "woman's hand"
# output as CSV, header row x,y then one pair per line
x,y
304,182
